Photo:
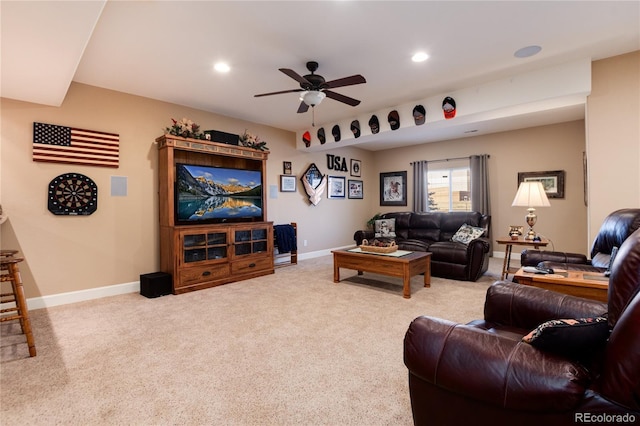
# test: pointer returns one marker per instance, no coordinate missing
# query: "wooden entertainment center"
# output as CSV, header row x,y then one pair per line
x,y
206,255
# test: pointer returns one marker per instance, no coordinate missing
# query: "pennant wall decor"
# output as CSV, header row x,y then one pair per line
x,y
61,144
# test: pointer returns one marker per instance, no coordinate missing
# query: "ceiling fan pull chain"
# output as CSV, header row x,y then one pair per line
x,y
313,117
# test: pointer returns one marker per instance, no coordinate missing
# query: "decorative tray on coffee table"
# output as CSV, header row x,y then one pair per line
x,y
377,246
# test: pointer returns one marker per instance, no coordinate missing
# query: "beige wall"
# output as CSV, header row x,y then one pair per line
x,y
613,137
120,241
554,147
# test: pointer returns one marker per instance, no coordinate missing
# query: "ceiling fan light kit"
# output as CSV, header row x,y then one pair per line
x,y
312,97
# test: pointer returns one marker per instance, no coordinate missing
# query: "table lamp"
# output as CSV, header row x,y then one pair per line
x,y
531,194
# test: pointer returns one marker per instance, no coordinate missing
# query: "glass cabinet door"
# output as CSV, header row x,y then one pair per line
x,y
216,245
204,246
249,241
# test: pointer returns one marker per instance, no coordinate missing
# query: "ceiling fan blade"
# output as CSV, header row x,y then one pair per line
x,y
294,75
347,81
303,108
342,98
278,93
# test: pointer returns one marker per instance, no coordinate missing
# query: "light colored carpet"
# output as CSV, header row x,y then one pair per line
x,y
292,348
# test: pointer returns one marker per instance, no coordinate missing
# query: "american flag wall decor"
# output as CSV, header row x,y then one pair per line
x,y
61,144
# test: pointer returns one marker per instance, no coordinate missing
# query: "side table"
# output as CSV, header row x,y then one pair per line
x,y
509,243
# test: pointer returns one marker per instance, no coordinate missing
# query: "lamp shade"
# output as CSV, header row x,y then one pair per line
x,y
531,194
312,97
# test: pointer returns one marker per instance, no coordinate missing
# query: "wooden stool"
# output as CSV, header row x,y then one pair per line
x,y
9,272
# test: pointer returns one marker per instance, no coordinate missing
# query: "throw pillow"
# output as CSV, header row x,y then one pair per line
x,y
570,337
467,233
385,228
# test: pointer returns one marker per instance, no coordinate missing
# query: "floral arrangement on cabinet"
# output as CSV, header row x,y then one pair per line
x,y
185,128
252,141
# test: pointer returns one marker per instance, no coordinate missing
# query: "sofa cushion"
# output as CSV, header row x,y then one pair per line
x,y
385,228
413,245
467,233
449,252
571,337
402,223
424,226
452,221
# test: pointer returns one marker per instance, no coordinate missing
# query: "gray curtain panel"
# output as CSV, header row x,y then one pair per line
x,y
420,192
480,187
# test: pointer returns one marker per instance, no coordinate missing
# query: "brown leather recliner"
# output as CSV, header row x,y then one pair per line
x,y
482,373
614,230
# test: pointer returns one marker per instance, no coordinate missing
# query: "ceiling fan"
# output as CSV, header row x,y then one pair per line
x,y
314,88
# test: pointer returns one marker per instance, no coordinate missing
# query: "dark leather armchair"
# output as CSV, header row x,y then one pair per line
x,y
482,373
614,230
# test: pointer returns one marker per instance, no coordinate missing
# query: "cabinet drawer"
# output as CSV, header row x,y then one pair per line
x,y
194,275
250,265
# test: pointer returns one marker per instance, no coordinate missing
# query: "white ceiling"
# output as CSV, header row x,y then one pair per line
x,y
166,50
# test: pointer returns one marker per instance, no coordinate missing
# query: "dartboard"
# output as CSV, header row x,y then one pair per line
x,y
73,194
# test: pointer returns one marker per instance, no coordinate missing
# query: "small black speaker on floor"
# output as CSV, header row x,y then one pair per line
x,y
155,285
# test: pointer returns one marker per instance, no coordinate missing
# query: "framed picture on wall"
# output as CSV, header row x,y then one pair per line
x,y
287,183
286,167
356,165
393,189
355,188
553,181
336,187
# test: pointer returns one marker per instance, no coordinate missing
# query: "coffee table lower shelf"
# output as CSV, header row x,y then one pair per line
x,y
404,267
590,285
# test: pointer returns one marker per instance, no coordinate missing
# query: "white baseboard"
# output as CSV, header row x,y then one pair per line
x,y
134,287
117,289
82,295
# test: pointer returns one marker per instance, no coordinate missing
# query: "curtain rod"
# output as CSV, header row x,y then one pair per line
x,y
446,159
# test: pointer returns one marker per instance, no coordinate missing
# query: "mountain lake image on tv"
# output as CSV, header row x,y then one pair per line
x,y
217,194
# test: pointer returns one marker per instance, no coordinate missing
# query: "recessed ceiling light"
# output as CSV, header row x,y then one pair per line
x,y
420,57
527,51
222,67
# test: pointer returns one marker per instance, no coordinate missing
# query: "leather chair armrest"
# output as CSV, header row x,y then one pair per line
x,y
534,257
491,368
360,235
480,242
526,307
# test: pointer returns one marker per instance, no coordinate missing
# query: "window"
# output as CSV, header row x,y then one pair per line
x,y
449,189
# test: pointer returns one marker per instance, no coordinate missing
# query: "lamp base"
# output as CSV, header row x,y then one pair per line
x,y
531,219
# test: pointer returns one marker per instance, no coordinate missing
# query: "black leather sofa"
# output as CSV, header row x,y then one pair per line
x,y
615,229
482,373
432,232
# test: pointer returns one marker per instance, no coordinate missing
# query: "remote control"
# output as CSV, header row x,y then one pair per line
x,y
537,270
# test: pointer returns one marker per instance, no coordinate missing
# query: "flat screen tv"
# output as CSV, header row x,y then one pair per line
x,y
206,194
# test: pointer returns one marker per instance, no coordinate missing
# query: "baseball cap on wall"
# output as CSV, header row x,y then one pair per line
x,y
321,136
449,107
419,114
394,120
374,124
355,128
335,131
306,138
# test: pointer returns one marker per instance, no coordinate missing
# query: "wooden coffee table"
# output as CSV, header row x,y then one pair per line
x,y
590,285
405,267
